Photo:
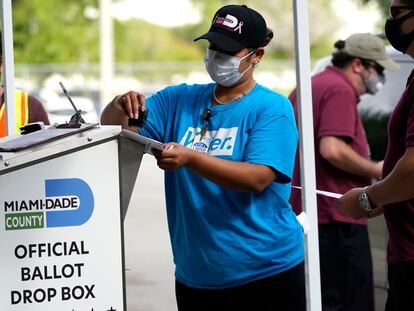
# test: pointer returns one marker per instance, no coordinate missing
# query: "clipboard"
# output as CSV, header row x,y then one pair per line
x,y
41,137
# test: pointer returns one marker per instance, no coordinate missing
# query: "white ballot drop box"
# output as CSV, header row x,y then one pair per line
x,y
63,197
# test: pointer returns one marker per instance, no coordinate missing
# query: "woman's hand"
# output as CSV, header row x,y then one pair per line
x,y
173,156
131,103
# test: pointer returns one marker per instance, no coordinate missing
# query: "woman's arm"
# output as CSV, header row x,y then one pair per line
x,y
239,176
123,107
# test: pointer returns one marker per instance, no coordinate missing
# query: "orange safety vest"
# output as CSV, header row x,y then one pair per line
x,y
21,99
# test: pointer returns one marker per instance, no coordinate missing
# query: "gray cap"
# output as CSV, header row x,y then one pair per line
x,y
370,47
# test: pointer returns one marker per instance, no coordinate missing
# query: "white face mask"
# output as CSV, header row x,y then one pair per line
x,y
223,68
374,83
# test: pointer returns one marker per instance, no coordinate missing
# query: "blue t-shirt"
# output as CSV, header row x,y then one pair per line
x,y
220,237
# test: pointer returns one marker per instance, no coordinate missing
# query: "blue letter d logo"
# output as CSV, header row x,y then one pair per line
x,y
69,187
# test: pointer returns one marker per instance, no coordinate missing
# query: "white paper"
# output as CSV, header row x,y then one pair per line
x,y
324,193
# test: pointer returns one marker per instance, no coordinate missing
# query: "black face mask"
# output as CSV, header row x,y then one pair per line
x,y
398,40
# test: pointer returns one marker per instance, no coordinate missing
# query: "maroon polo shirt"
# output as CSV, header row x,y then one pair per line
x,y
334,114
400,216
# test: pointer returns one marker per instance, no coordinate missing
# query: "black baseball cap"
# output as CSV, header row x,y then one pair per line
x,y
235,27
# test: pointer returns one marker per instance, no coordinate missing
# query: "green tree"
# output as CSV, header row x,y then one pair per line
x,y
54,31
58,31
137,40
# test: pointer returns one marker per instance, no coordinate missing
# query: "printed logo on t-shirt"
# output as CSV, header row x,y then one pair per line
x,y
220,142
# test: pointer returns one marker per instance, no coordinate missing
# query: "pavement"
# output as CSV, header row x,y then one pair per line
x,y
148,258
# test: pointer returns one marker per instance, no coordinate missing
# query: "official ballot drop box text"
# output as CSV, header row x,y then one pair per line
x,y
61,234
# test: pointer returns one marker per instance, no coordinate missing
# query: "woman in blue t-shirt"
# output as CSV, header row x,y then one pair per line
x,y
228,159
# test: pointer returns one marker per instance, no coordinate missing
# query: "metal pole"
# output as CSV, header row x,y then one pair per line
x,y
106,52
307,153
7,37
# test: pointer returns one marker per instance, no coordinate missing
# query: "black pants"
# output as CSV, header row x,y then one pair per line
x,y
401,286
346,267
284,291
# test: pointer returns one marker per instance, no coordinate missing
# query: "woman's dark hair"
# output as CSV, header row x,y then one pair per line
x,y
269,36
340,58
407,2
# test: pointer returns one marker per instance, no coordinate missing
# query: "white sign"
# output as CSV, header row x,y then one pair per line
x,y
60,234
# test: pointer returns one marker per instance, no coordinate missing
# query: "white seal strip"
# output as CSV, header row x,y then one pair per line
x,y
324,193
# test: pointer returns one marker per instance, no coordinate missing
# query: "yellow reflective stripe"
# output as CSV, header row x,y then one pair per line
x,y
2,110
18,100
25,107
21,102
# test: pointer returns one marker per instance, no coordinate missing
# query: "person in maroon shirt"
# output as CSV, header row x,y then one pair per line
x,y
394,194
342,163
